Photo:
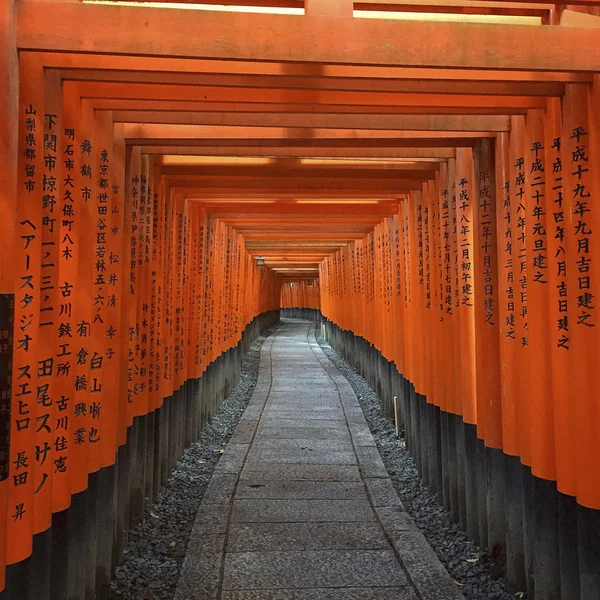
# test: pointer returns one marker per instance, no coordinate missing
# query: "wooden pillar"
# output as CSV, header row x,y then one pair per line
x,y
487,332
9,105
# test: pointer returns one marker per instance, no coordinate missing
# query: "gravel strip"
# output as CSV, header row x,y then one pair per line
x,y
157,545
466,563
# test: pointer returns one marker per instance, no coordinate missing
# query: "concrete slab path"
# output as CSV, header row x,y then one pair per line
x,y
300,506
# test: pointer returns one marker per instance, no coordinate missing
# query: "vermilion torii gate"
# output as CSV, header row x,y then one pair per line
x,y
437,178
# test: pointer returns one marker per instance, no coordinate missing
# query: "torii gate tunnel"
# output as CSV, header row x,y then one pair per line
x,y
426,188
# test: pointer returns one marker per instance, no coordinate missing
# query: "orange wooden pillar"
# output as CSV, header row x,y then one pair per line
x,y
438,352
506,224
489,415
519,497
581,217
487,346
438,340
465,231
592,497
518,179
101,435
209,284
167,282
86,331
558,317
239,307
407,270
415,278
132,194
198,266
506,228
27,285
352,313
158,304
452,311
9,115
465,200
395,301
455,401
388,289
443,305
67,264
429,379
179,235
110,206
539,377
118,335
443,310
51,310
144,283
418,306
220,287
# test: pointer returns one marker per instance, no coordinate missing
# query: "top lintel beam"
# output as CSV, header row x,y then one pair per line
x,y
145,31
102,62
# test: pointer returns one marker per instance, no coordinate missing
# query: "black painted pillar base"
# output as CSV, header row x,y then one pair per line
x,y
75,558
541,540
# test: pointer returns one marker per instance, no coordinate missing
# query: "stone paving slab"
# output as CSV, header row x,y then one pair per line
x,y
314,405
253,413
359,535
220,489
360,436
427,573
300,506
319,451
281,422
396,593
393,593
299,414
244,432
312,568
233,458
295,511
210,519
202,578
370,462
285,445
260,471
301,490
395,520
382,492
339,432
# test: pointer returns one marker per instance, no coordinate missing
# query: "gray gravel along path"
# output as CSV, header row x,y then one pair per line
x,y
157,545
465,562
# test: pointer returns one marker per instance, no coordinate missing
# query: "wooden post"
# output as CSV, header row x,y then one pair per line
x,y
9,108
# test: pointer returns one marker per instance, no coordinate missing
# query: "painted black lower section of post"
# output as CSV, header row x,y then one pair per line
x,y
538,538
74,559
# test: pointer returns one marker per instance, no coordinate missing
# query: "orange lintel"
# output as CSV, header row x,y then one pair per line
x,y
289,38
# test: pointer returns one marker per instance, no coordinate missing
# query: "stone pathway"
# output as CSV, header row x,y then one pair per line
x,y
300,506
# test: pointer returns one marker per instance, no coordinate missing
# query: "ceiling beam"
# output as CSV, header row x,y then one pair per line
x,y
235,173
212,84
320,121
299,152
98,62
57,26
191,93
296,108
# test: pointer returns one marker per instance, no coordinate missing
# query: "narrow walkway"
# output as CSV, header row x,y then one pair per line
x,y
300,506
